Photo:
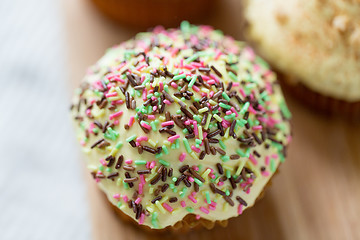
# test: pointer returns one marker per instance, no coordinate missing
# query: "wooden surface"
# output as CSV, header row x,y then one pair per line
x,y
316,195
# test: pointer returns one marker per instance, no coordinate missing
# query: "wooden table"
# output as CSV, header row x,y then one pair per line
x,y
315,196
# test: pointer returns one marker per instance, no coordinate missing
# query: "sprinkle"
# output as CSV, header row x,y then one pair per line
x,y
168,123
172,138
244,108
182,157
114,115
167,207
204,210
183,204
140,162
192,199
178,77
187,145
129,139
160,207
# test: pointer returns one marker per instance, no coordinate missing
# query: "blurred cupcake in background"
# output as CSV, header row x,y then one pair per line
x,y
315,46
149,13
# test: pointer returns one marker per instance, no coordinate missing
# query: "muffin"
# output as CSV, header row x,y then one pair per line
x,y
149,13
315,45
181,127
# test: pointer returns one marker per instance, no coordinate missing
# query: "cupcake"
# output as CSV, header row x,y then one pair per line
x,y
181,127
148,13
315,47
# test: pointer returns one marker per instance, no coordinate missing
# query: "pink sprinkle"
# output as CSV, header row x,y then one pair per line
x,y
168,123
116,196
220,183
167,207
213,204
197,217
259,127
228,112
234,111
267,160
204,77
141,188
265,173
183,204
211,82
204,210
240,210
152,165
167,102
241,90
174,85
88,112
212,208
111,94
125,198
252,159
161,85
212,176
195,64
214,77
236,84
182,157
142,219
211,94
203,94
82,143
102,162
131,121
195,88
142,138
97,180
192,199
154,108
252,110
195,128
142,179
196,168
191,179
195,149
173,138
147,165
145,125
144,94
138,200
128,161
117,114
141,67
218,54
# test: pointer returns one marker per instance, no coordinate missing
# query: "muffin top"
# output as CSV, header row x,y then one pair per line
x,y
181,121
315,42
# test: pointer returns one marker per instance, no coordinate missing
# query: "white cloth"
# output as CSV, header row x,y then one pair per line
x,y
42,193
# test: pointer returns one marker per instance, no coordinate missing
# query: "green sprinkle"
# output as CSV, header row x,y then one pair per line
x,y
198,181
177,143
189,209
163,162
225,158
108,169
227,192
129,139
178,77
230,116
165,149
233,76
140,162
185,131
119,204
126,185
222,144
158,155
228,173
171,186
174,179
101,168
193,80
95,130
153,126
192,58
119,145
223,105
183,192
187,145
244,108
198,141
225,96
272,165
207,195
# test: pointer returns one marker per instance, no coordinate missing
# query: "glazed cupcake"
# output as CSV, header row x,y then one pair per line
x,y
149,13
315,46
181,127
